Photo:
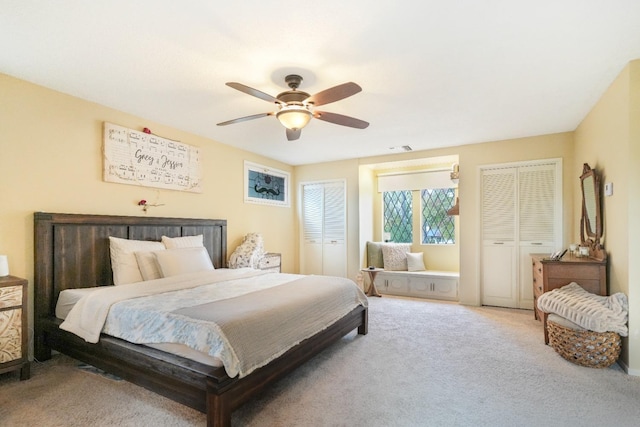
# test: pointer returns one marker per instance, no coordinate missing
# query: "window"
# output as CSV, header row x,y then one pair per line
x,y
398,215
437,226
426,195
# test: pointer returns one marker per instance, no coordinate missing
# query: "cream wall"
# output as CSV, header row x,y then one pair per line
x,y
471,157
51,160
609,140
633,177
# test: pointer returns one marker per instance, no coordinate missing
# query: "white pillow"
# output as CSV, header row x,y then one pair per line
x,y
184,260
123,259
183,242
415,261
148,265
394,256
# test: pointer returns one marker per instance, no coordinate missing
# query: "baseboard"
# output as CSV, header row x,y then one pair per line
x,y
625,367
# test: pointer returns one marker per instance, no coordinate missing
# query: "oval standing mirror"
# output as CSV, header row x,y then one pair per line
x,y
591,221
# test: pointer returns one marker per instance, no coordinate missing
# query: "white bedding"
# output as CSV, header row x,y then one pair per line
x,y
69,297
120,311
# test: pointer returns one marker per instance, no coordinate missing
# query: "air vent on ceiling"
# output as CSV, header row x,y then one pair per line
x,y
401,148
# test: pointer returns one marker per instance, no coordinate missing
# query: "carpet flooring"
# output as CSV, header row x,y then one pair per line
x,y
423,363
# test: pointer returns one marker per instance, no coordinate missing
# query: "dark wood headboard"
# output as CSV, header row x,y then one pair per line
x,y
72,250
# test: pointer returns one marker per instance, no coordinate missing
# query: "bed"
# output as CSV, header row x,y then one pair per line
x,y
72,251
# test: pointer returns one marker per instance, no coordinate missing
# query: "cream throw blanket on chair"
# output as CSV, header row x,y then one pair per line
x,y
593,312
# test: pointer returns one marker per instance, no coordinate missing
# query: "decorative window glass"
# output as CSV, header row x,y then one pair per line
x,y
437,226
398,215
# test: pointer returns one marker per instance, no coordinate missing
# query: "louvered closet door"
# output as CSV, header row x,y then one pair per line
x,y
312,213
521,215
334,252
324,229
537,212
499,283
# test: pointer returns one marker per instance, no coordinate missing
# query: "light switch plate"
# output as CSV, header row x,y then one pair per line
x,y
608,189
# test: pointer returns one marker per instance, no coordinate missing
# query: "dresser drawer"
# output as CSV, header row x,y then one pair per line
x,y
538,284
10,335
10,296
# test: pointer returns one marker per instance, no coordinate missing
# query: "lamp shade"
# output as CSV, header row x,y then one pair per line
x,y
293,117
455,209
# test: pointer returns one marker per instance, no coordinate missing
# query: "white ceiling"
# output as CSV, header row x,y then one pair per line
x,y
434,73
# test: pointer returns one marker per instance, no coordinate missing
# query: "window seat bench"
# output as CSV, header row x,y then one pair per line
x,y
423,284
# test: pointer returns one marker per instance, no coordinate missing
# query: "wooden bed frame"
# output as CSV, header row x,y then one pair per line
x,y
72,251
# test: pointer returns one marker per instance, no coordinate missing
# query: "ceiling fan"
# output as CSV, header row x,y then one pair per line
x,y
296,108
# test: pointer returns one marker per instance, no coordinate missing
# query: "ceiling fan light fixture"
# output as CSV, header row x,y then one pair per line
x,y
296,108
294,117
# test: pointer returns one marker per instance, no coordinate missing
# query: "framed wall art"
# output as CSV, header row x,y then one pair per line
x,y
266,186
138,158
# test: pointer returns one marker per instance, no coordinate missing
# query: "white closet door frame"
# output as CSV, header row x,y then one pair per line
x,y
557,242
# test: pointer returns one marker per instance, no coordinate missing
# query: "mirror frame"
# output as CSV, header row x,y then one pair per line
x,y
593,231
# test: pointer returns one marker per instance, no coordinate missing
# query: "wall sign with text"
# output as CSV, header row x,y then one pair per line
x,y
138,158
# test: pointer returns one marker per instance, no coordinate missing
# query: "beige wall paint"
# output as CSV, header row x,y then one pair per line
x,y
471,157
51,160
633,180
602,141
609,140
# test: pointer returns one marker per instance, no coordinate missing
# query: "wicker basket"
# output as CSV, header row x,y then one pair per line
x,y
583,347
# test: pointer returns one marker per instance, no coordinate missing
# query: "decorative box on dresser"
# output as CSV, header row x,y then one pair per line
x,y
270,261
590,273
13,326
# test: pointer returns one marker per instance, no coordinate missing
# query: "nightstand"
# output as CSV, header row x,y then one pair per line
x,y
270,261
13,326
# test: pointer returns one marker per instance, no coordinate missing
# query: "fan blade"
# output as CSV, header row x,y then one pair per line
x,y
243,119
253,92
334,94
292,135
339,119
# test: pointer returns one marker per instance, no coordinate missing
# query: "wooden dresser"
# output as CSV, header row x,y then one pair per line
x,y
589,273
13,326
